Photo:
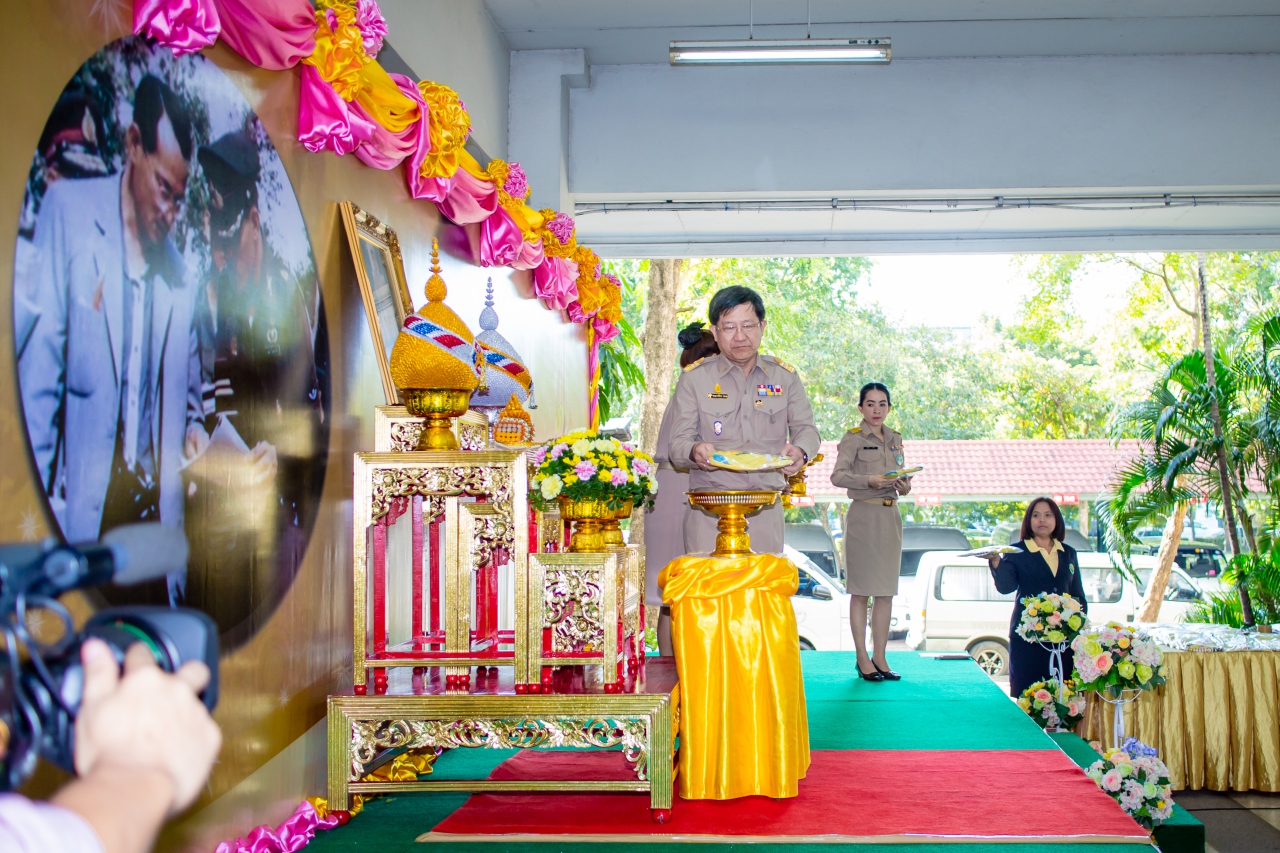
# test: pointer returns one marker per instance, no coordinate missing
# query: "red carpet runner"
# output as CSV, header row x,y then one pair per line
x,y
850,795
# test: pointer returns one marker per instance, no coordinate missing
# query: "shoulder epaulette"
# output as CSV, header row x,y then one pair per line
x,y
855,430
781,363
689,367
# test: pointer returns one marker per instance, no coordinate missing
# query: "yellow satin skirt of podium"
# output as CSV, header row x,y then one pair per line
x,y
743,724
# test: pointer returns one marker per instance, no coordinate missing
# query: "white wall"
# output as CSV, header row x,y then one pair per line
x,y
455,42
1033,125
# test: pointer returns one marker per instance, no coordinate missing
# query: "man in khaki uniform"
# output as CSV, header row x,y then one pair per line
x,y
744,401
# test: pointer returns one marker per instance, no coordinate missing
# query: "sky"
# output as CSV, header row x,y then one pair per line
x,y
955,291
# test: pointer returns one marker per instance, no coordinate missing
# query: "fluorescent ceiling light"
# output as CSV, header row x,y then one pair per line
x,y
874,51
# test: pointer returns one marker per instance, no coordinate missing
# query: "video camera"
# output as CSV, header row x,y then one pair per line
x,y
39,697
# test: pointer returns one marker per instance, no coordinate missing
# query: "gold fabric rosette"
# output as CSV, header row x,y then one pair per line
x,y
551,245
448,125
591,294
341,59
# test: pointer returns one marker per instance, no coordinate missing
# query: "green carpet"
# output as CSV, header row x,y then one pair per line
x,y
938,705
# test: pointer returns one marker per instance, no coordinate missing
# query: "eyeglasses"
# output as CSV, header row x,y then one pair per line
x,y
732,328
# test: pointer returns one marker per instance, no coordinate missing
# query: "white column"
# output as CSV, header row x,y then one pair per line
x,y
538,120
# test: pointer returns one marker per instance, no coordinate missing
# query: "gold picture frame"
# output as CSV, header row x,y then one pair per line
x,y
375,252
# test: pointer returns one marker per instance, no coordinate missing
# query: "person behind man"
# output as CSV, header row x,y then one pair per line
x,y
664,521
259,375
109,372
740,400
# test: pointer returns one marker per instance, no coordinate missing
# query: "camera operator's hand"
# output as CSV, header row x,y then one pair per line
x,y
148,719
144,746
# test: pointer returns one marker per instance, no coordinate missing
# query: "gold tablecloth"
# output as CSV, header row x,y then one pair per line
x,y
1214,721
743,724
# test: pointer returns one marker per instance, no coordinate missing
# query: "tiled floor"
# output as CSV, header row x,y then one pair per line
x,y
1236,823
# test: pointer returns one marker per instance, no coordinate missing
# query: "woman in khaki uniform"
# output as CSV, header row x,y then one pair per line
x,y
664,521
873,526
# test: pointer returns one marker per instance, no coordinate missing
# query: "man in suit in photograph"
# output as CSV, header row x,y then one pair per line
x,y
110,373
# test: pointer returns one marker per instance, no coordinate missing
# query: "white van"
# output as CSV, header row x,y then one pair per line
x,y
821,606
956,607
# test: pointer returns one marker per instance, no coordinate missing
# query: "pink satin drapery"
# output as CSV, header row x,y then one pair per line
x,y
272,34
291,836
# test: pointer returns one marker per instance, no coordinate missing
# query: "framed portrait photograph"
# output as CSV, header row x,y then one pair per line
x,y
380,271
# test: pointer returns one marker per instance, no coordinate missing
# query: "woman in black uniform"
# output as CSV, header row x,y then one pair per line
x,y
1043,564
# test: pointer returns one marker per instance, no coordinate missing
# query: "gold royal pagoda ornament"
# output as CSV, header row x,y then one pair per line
x,y
514,426
434,364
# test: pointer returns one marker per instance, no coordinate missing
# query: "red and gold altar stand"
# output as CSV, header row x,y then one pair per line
x,y
744,729
419,710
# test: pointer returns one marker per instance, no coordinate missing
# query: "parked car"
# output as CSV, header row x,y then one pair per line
x,y
1204,563
918,539
816,543
821,606
1010,532
955,605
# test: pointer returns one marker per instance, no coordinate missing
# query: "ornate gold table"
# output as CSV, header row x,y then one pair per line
x,y
420,710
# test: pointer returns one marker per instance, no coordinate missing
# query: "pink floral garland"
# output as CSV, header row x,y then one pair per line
x,y
279,34
291,836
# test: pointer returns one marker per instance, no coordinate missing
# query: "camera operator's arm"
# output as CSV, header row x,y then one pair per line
x,y
144,746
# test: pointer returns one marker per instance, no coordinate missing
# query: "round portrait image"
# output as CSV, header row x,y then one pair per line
x,y
173,360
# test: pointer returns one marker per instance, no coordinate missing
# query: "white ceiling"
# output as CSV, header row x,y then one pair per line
x,y
622,32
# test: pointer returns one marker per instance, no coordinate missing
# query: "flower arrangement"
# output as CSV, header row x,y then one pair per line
x,y
1051,707
1051,619
1137,780
1115,658
583,466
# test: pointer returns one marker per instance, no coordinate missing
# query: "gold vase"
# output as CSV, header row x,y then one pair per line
x,y
439,406
732,539
612,526
588,519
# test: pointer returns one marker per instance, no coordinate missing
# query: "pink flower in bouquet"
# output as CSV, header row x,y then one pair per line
x,y
1103,663
628,447
585,470
1043,695
1054,619
561,225
1111,780
618,477
540,455
558,450
517,183
373,27
641,466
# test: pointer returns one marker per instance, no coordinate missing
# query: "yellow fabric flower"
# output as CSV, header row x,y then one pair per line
x,y
448,125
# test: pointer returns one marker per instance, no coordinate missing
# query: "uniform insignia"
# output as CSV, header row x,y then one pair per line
x,y
759,402
899,458
695,364
717,394
855,430
717,427
768,390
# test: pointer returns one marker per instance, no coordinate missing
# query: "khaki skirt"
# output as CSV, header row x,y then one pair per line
x,y
872,548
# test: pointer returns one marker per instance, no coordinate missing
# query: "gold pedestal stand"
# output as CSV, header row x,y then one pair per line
x,y
439,406
732,540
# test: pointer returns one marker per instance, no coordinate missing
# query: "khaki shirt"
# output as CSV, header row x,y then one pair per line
x,y
859,455
716,403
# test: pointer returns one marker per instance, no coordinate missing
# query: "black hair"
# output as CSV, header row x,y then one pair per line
x,y
728,298
1059,528
874,386
152,100
696,342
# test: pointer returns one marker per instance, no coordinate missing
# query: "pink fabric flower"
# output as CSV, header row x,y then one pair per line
x,y
517,183
373,27
576,314
325,121
562,226
641,466
612,279
618,477
289,837
585,470
183,26
558,450
605,331
555,282
1103,663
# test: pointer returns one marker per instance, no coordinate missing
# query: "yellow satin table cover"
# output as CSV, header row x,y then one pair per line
x,y
743,723
1214,721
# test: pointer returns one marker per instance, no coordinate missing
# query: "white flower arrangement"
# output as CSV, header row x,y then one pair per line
x,y
1135,778
1051,618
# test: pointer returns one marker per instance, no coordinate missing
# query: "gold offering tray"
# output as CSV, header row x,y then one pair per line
x,y
732,507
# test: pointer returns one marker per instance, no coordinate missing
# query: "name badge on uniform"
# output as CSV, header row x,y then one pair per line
x,y
768,390
718,395
717,427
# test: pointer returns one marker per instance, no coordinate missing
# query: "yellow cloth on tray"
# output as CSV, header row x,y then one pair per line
x,y
743,724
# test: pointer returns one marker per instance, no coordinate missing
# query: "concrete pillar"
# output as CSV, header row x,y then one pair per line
x,y
538,120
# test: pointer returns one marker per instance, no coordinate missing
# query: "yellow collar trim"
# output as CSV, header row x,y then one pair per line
x,y
1036,549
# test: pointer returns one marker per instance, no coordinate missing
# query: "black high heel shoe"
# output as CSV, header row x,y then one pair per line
x,y
886,674
876,674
